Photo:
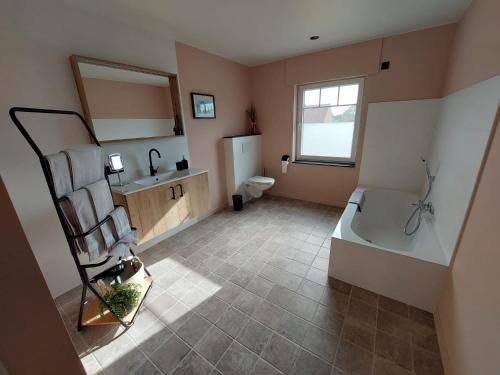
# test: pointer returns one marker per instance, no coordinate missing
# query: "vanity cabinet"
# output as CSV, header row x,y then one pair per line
x,y
160,208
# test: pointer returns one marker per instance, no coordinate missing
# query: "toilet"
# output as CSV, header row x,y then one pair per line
x,y
256,185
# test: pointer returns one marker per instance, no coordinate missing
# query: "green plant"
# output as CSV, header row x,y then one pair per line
x,y
121,298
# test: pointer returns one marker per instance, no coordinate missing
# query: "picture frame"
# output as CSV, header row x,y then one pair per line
x,y
203,106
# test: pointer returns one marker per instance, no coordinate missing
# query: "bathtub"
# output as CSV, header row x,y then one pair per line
x,y
369,249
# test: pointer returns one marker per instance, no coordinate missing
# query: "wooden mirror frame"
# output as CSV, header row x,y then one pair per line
x,y
172,79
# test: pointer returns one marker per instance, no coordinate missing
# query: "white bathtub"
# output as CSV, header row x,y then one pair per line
x,y
369,249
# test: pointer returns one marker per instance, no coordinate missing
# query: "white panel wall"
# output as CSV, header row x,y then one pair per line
x,y
37,39
109,129
458,148
397,134
243,159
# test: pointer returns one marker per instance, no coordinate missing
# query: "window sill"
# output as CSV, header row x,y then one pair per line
x,y
327,163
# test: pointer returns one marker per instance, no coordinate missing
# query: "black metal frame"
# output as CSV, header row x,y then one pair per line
x,y
70,236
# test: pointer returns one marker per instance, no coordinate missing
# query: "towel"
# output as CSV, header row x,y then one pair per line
x,y
80,215
60,171
86,165
102,204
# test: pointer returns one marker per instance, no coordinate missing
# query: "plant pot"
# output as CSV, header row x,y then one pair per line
x,y
134,272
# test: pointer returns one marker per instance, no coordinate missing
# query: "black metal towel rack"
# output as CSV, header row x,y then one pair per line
x,y
71,238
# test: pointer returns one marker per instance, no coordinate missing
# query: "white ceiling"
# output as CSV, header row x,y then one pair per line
x,y
121,75
253,32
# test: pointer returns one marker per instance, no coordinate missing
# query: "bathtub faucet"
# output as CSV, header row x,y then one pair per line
x,y
424,206
421,206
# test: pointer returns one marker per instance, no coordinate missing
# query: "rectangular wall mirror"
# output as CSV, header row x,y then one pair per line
x,y
122,102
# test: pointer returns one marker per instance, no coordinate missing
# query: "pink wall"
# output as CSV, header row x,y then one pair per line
x,y
476,52
418,66
113,99
229,82
468,314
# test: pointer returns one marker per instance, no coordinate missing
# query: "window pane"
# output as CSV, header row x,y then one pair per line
x,y
348,94
328,131
311,98
329,95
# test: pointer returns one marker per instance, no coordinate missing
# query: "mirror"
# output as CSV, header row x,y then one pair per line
x,y
115,163
122,102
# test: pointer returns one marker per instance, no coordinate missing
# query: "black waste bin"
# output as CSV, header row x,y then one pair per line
x,y
237,202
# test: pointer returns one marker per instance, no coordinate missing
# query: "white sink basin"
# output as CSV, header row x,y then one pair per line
x,y
153,180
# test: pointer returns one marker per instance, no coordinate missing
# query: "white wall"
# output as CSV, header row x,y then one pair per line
x,y
243,160
37,38
458,148
397,134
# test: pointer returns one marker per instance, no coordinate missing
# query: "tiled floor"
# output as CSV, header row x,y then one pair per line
x,y
248,293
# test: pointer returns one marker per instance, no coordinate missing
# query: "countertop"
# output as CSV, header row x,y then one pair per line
x,y
134,187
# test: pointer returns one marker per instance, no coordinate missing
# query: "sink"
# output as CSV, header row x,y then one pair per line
x,y
153,180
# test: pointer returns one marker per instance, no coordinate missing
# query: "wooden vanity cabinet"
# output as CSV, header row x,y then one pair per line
x,y
155,210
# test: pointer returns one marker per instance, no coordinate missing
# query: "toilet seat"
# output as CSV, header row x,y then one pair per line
x,y
260,180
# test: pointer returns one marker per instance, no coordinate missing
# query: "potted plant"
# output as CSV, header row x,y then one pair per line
x,y
252,117
121,298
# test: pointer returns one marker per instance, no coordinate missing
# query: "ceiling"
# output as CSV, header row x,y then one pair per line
x,y
253,32
121,75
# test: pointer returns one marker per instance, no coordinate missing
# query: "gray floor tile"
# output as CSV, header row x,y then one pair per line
x,y
241,277
237,360
311,290
269,314
170,354
194,329
232,321
293,328
193,364
120,356
254,336
280,352
321,343
293,302
353,359
307,363
247,302
228,292
147,368
264,368
212,309
394,349
213,344
260,286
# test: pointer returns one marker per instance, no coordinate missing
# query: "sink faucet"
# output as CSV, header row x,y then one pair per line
x,y
153,170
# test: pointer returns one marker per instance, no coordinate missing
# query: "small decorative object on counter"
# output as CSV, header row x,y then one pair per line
x,y
182,165
252,117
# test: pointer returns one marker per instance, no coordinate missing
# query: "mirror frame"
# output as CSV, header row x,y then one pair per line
x,y
173,83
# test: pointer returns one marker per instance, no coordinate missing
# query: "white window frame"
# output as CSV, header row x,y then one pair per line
x,y
299,121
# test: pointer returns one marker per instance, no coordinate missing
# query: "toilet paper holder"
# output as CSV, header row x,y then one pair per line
x,y
285,159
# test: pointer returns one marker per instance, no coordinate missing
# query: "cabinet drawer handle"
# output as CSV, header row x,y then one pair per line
x,y
173,192
182,191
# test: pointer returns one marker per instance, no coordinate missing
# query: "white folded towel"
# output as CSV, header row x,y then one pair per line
x,y
60,171
86,165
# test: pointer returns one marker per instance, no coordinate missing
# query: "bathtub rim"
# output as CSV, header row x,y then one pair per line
x,y
343,231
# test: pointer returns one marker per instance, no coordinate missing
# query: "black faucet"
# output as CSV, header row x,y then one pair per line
x,y
153,170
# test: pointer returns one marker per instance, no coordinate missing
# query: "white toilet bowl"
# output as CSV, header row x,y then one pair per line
x,y
255,186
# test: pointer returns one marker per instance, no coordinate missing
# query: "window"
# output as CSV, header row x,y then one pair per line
x,y
327,121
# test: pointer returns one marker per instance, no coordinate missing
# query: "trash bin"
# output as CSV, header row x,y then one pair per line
x,y
237,202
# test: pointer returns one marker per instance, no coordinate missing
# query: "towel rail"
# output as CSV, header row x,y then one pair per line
x,y
70,236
